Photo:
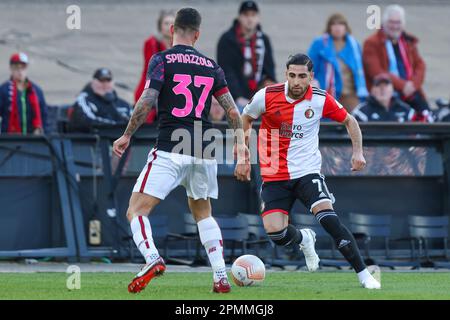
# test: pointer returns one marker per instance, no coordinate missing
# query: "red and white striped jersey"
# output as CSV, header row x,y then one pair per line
x,y
288,138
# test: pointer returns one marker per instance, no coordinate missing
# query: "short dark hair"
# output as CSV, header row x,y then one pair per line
x,y
300,59
187,19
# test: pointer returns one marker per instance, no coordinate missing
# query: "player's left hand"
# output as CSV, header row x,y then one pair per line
x,y
358,161
120,145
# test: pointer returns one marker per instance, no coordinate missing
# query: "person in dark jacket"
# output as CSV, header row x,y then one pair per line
x,y
99,104
245,54
23,109
381,105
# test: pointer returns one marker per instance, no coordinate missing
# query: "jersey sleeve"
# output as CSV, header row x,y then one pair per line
x,y
333,110
257,105
155,73
220,83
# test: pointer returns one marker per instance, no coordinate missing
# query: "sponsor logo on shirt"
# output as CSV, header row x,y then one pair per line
x,y
291,131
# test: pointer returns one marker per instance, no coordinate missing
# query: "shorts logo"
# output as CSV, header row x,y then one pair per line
x,y
309,113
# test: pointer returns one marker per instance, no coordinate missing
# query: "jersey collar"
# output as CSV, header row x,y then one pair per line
x,y
307,96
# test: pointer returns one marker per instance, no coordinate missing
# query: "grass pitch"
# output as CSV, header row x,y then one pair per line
x,y
178,286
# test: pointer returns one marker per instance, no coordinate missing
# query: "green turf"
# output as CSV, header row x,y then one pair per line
x,y
278,285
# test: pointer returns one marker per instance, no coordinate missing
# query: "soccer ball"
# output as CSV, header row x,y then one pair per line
x,y
248,270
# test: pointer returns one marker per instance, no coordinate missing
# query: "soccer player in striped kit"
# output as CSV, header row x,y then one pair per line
x,y
181,82
290,162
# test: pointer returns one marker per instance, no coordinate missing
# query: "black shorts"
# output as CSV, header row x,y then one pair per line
x,y
279,196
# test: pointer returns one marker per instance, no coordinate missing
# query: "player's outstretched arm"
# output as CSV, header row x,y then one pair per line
x,y
247,123
145,103
358,161
242,171
226,101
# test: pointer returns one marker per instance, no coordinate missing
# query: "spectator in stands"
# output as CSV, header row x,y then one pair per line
x,y
245,54
381,105
443,110
22,104
98,104
154,44
337,60
393,50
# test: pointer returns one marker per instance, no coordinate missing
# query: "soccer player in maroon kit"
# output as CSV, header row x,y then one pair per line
x,y
181,82
290,162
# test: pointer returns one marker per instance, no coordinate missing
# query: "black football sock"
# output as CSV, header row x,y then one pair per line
x,y
344,239
287,237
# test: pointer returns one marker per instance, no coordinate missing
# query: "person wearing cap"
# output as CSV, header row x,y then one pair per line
x,y
98,104
337,60
395,51
23,109
381,105
245,54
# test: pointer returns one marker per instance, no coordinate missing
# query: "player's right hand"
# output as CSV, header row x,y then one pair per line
x,y
242,171
120,145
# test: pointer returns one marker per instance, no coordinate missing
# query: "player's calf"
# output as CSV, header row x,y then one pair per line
x,y
347,245
305,238
211,238
142,236
285,237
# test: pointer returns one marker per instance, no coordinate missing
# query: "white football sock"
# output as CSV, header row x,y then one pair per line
x,y
142,236
211,238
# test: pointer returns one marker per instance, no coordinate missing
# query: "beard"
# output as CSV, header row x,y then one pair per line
x,y
298,93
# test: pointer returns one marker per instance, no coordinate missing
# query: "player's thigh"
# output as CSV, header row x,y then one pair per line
x,y
141,204
200,208
277,201
313,192
200,180
158,178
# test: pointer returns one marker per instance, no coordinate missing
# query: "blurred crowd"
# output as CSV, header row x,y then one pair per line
x,y
380,80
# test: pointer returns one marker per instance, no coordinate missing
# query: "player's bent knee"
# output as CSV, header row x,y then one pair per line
x,y
274,226
271,228
141,204
275,221
325,205
131,214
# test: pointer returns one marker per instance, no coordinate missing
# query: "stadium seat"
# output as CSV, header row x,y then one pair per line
x,y
430,229
160,232
309,221
257,236
234,231
188,235
366,227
